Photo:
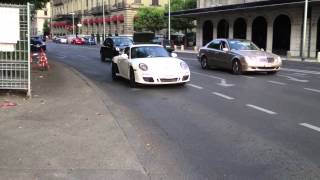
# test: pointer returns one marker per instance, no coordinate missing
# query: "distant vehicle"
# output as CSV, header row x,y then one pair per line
x,y
165,43
150,64
112,46
89,40
143,37
78,41
238,56
36,42
70,38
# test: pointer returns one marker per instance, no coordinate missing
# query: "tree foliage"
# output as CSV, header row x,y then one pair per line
x,y
182,23
38,4
150,19
46,28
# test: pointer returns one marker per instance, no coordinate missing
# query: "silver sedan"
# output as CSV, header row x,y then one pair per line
x,y
238,56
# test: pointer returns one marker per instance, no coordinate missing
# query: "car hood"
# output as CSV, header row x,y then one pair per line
x,y
160,64
254,54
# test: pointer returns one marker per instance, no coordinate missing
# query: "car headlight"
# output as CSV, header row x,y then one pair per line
x,y
279,59
143,67
184,66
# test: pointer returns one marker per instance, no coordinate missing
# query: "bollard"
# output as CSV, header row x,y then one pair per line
x,y
195,48
175,47
182,47
288,54
318,56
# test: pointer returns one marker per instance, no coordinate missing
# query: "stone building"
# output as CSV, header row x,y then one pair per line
x,y
275,25
40,17
119,15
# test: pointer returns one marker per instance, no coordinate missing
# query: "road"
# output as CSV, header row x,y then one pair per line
x,y
218,126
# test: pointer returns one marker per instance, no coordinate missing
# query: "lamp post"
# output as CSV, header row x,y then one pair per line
x,y
169,23
79,27
104,23
304,29
73,23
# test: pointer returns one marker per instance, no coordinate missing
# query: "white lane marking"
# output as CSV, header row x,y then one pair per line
x,y
195,86
301,71
310,126
221,83
81,56
294,79
249,77
298,74
223,96
313,90
277,82
261,109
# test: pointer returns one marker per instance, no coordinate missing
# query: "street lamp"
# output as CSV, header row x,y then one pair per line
x,y
304,29
72,22
169,23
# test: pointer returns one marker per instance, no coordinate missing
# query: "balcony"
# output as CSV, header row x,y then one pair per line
x,y
98,10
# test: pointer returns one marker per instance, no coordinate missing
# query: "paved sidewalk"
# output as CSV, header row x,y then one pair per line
x,y
64,132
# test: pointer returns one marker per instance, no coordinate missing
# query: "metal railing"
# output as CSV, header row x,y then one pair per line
x,y
15,66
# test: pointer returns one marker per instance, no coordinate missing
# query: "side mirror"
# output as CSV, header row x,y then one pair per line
x,y
225,49
262,49
174,55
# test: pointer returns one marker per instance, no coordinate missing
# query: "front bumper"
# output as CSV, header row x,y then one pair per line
x,y
261,67
145,78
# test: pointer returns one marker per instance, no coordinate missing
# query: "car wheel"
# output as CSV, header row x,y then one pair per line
x,y
102,57
204,62
132,81
272,72
114,70
236,67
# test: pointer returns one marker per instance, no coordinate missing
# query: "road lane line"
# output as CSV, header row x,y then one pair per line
x,y
189,59
195,86
301,71
249,77
261,109
223,96
313,90
221,83
310,126
295,79
277,82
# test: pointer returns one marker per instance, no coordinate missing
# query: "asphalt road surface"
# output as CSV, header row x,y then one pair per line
x,y
218,126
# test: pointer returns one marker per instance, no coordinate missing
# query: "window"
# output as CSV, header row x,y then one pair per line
x,y
126,51
155,2
214,45
46,13
137,1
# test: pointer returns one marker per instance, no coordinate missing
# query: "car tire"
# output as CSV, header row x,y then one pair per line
x,y
204,62
114,70
132,81
236,67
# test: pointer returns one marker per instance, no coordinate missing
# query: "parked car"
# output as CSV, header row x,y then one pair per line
x,y
238,56
36,42
150,64
112,46
78,41
89,40
70,38
63,40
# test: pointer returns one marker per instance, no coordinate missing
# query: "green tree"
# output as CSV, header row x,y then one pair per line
x,y
183,24
46,28
38,4
150,19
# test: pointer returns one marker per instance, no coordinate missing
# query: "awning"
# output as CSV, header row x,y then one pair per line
x,y
235,7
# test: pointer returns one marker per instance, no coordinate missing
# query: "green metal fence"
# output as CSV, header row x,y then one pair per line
x,y
15,66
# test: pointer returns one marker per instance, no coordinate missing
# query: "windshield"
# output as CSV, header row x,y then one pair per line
x,y
242,45
148,51
122,42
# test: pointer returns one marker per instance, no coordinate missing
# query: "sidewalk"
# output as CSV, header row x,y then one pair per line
x,y
63,132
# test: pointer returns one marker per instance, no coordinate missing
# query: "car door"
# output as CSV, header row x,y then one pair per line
x,y
225,57
211,53
123,62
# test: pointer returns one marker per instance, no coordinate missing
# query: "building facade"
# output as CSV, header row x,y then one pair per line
x,y
40,17
274,25
88,15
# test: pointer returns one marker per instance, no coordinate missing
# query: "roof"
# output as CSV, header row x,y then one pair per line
x,y
146,45
242,6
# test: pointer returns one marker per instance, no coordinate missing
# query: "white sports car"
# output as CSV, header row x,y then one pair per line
x,y
150,64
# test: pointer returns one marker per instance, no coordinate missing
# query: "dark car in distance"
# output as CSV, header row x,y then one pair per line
x,y
112,46
37,43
